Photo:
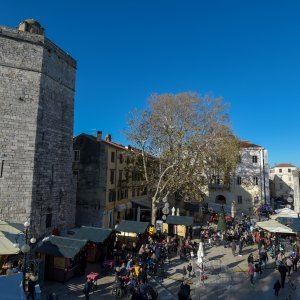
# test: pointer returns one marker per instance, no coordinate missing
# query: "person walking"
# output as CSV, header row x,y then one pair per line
x,y
289,264
251,273
241,244
282,270
31,288
189,269
295,262
233,247
277,287
87,289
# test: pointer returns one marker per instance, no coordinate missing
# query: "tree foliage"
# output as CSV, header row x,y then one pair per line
x,y
185,142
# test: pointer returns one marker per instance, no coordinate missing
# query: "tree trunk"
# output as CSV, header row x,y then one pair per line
x,y
153,211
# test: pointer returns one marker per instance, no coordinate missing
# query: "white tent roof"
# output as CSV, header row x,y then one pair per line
x,y
9,235
284,212
274,226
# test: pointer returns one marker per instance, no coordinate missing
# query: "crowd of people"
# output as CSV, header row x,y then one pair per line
x,y
134,264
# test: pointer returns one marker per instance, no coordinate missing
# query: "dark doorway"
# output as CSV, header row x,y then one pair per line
x,y
220,199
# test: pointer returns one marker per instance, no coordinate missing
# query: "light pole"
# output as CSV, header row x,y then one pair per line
x,y
290,200
26,249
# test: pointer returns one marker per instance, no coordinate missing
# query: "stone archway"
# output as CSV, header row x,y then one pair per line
x,y
220,199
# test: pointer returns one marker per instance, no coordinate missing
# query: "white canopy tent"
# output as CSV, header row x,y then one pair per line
x,y
284,213
275,227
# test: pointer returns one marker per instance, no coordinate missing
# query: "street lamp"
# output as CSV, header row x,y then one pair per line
x,y
26,249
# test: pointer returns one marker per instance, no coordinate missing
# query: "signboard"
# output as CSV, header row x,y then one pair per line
x,y
159,225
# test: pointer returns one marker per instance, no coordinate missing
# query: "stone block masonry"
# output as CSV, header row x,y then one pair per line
x,y
37,87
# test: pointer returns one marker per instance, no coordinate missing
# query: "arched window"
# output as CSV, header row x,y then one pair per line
x,y
220,199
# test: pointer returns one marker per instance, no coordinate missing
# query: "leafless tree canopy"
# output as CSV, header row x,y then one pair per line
x,y
185,142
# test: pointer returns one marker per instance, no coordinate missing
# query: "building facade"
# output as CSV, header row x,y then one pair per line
x,y
284,180
37,87
107,189
249,187
296,178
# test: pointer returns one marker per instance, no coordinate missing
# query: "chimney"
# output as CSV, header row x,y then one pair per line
x,y
99,136
108,138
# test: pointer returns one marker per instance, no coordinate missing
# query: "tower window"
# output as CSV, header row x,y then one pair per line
x,y
49,218
254,159
1,169
76,155
255,180
239,199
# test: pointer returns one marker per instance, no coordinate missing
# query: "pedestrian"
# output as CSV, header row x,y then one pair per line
x,y
264,258
250,259
233,247
31,287
282,270
87,289
257,271
289,264
277,287
184,291
189,269
184,272
295,262
241,244
251,273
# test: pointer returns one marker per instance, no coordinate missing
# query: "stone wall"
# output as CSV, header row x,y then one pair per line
x,y
37,82
91,184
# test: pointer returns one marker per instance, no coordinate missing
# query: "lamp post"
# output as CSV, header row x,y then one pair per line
x,y
26,249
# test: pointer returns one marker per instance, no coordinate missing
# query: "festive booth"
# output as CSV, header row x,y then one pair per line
x,y
98,240
274,227
130,230
63,257
284,213
178,225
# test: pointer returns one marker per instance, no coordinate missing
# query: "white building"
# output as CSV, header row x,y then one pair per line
x,y
249,187
284,183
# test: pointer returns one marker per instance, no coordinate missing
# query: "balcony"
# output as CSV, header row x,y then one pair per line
x,y
219,186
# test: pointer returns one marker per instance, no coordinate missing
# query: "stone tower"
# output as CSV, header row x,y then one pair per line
x,y
37,87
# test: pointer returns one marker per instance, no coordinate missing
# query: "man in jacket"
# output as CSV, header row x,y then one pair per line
x,y
282,270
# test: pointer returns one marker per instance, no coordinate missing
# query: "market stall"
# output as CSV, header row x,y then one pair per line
x,y
284,213
130,230
11,240
63,257
274,227
100,240
178,225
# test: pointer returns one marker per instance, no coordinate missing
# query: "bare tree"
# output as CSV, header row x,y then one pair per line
x,y
185,141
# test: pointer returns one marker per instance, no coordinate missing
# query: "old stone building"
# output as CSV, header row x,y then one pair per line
x,y
108,190
249,187
284,181
37,86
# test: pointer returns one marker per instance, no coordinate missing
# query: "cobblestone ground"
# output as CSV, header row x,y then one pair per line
x,y
231,283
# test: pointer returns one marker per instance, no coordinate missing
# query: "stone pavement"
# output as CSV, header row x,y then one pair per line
x,y
231,285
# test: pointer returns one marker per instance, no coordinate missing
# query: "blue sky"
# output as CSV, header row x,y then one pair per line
x,y
247,51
